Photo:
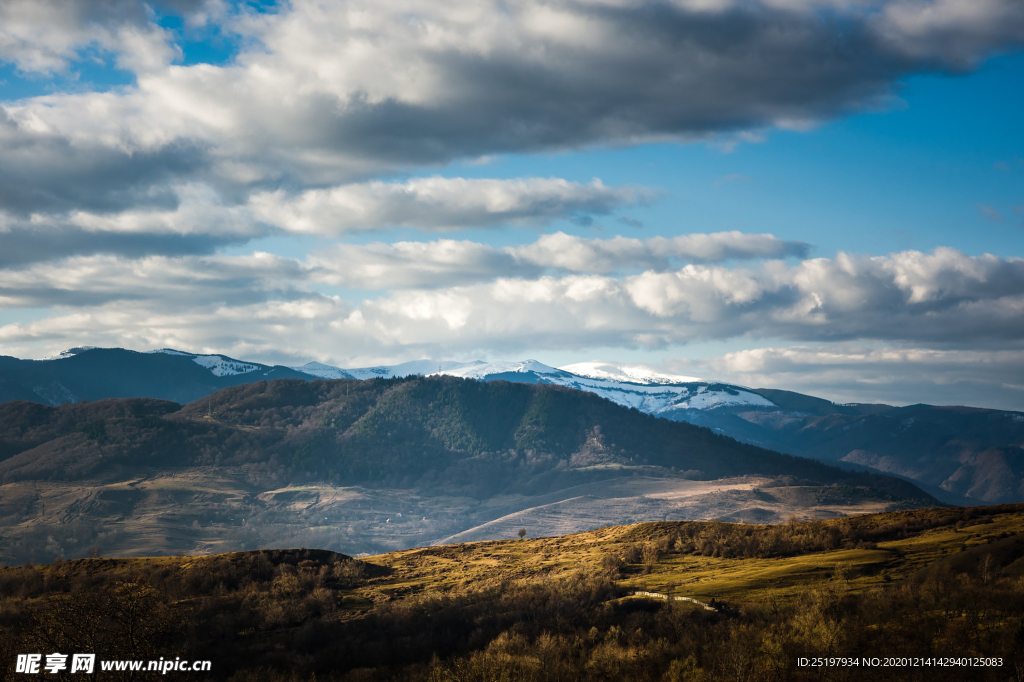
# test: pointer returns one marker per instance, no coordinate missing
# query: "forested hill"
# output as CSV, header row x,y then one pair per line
x,y
395,432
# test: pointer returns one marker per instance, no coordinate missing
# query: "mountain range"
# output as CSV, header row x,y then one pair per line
x,y
960,454
366,465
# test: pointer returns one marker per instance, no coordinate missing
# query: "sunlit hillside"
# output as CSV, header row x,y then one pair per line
x,y
652,601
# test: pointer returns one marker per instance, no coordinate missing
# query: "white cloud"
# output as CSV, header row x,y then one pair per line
x,y
159,281
326,92
438,203
284,328
413,265
199,210
44,37
904,327
945,298
950,32
446,262
328,96
202,218
851,372
568,252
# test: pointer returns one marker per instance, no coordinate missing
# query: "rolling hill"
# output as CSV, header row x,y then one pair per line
x,y
962,455
930,594
382,463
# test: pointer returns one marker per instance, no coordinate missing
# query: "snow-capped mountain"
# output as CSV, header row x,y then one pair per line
x,y
405,369
87,373
631,373
528,371
653,394
894,440
629,385
69,353
219,365
322,371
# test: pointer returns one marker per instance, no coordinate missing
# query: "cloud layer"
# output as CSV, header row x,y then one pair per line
x,y
193,218
113,203
438,203
47,36
880,328
945,298
853,372
446,262
326,92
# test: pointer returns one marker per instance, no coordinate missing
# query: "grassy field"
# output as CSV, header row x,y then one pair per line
x,y
946,582
703,577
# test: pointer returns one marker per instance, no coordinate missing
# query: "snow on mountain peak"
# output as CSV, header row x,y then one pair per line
x,y
480,369
171,351
640,374
318,369
412,367
628,385
70,353
221,366
60,356
636,386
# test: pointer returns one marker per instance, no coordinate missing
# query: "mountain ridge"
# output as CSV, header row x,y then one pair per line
x,y
977,458
258,460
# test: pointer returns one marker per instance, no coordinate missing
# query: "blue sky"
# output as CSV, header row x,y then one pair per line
x,y
912,175
840,212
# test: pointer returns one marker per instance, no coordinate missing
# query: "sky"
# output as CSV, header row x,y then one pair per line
x,y
824,196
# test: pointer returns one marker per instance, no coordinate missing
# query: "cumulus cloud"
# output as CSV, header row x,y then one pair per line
x,y
944,299
438,203
275,329
899,328
950,32
332,92
111,203
447,262
851,372
194,218
159,281
415,265
567,252
23,245
43,37
189,219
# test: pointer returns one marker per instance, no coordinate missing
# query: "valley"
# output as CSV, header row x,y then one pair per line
x,y
201,511
959,454
364,467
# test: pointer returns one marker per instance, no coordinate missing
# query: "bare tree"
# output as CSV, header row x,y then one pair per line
x,y
522,533
987,569
650,555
